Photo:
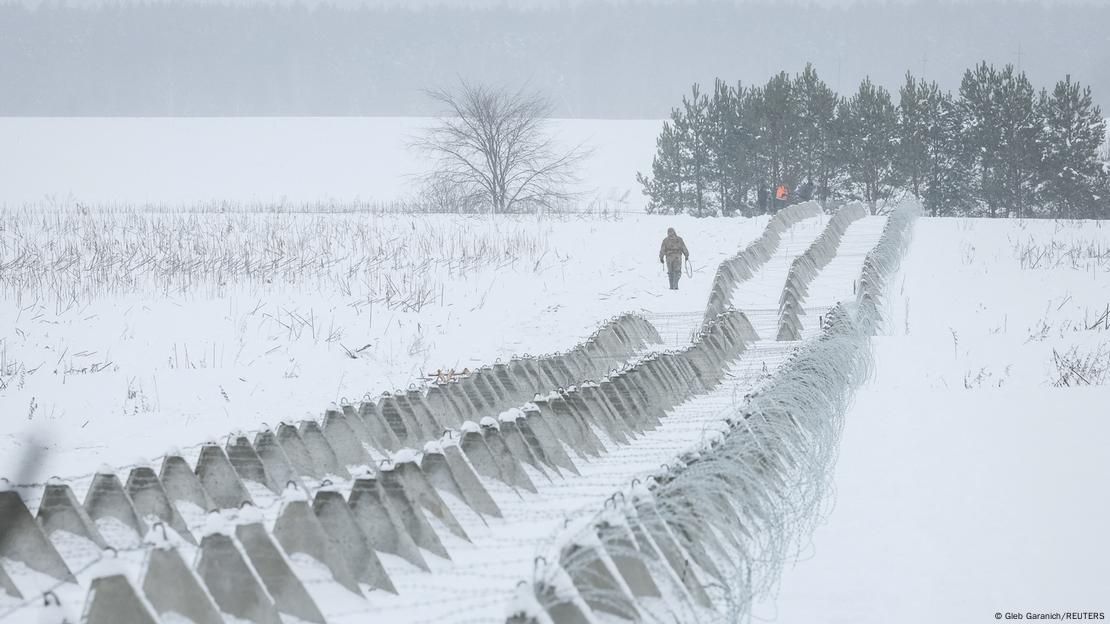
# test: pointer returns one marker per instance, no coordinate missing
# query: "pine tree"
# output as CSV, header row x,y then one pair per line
x,y
1021,150
816,128
1074,179
775,121
871,144
722,122
949,172
693,129
932,159
982,132
664,188
916,114
745,163
842,144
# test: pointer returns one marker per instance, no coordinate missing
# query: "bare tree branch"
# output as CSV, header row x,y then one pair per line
x,y
491,147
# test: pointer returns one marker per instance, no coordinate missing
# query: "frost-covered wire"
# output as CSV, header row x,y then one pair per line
x,y
805,268
882,262
716,526
742,266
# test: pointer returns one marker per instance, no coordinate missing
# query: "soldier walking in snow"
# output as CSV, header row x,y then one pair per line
x,y
673,250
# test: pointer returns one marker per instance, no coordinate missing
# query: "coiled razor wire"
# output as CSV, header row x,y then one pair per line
x,y
739,268
714,529
808,266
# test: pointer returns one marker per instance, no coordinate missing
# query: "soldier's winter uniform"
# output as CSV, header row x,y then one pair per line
x,y
672,251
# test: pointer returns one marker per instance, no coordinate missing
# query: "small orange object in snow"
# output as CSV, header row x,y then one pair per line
x,y
780,192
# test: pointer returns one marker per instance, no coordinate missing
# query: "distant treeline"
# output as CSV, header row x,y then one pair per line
x,y
996,147
623,59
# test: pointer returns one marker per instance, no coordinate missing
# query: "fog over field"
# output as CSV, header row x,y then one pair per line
x,y
596,59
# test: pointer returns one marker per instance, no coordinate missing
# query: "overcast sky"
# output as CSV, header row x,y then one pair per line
x,y
632,60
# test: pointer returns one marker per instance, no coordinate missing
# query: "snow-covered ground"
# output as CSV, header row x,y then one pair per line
x,y
972,466
479,579
970,482
124,376
271,159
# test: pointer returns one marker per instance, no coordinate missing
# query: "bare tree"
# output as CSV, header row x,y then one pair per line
x,y
492,149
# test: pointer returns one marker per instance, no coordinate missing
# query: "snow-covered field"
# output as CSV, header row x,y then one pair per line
x,y
606,272
973,469
337,306
270,160
972,465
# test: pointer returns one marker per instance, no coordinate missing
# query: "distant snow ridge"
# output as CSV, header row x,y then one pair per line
x,y
807,266
709,533
740,267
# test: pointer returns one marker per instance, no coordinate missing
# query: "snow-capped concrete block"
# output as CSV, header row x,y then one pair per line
x,y
419,427
106,498
277,576
151,501
520,448
421,492
277,463
559,599
356,423
353,545
627,558
418,403
23,540
581,436
297,452
457,478
536,426
220,479
441,407
391,414
691,535
382,436
409,513
507,381
343,440
113,600
60,511
473,444
247,463
673,568
171,587
381,524
321,453
232,582
298,530
181,483
509,464
594,408
537,447
595,578
7,586
650,413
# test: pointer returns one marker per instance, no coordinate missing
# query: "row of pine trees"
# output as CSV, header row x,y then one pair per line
x,y
996,148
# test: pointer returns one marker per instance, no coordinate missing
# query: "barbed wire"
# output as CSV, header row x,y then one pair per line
x,y
638,452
